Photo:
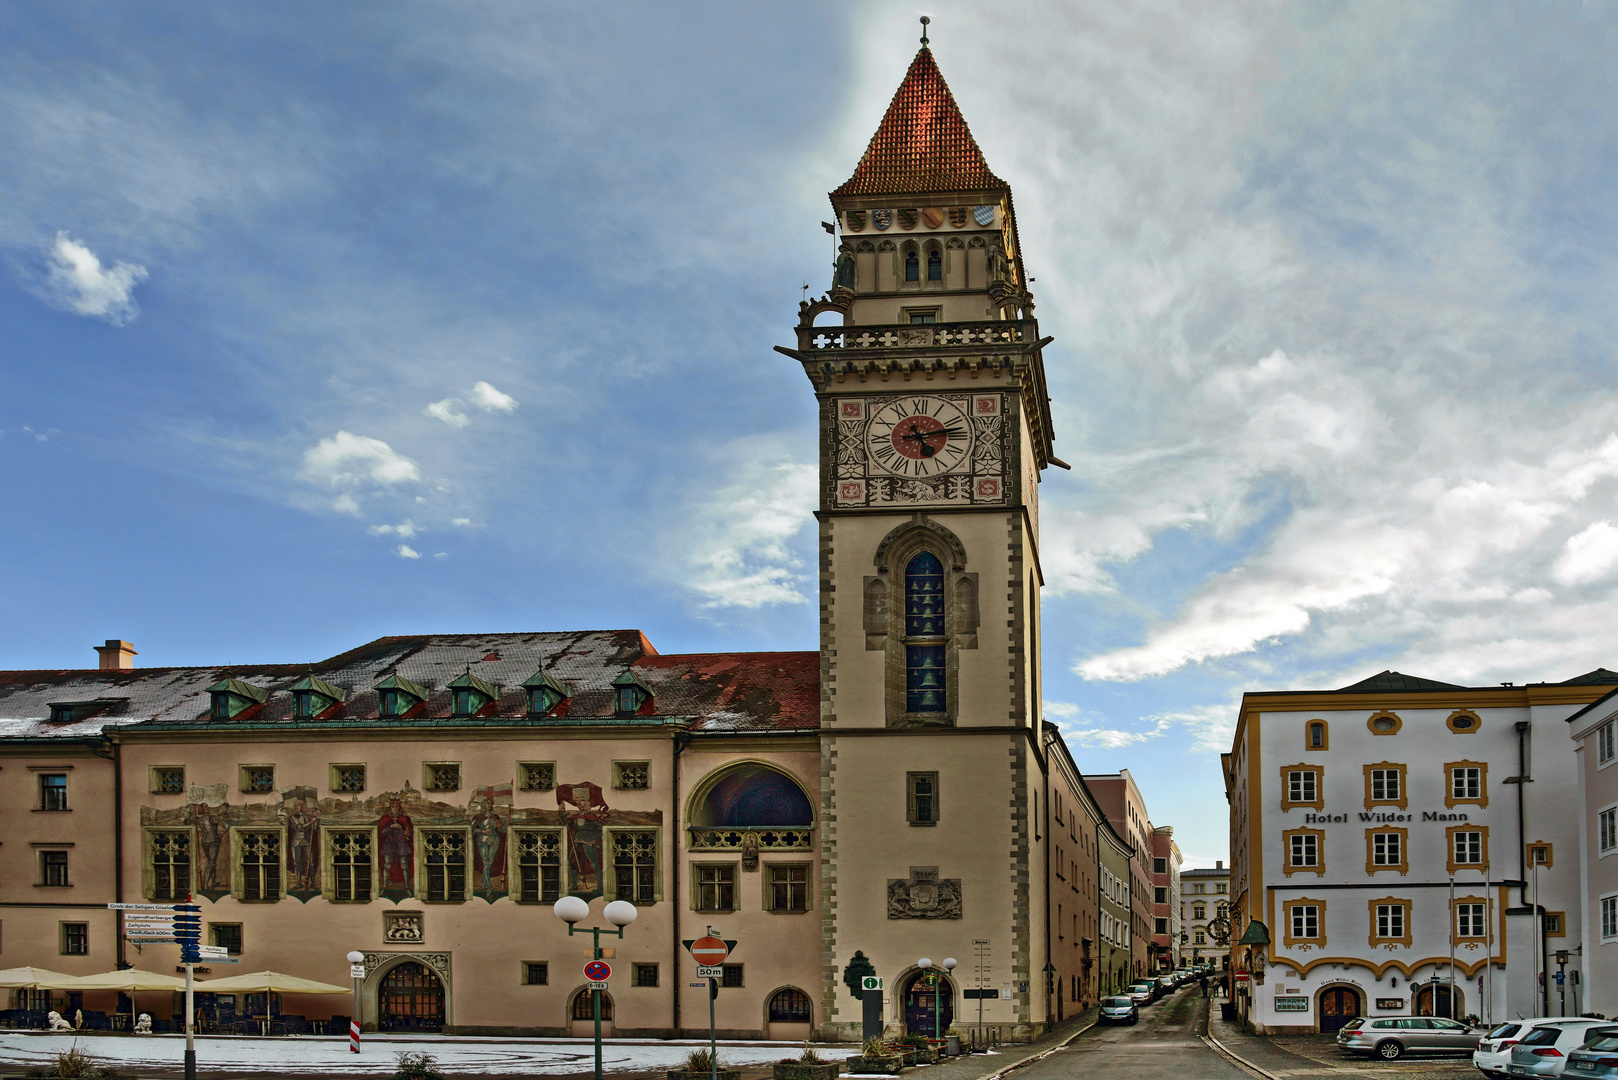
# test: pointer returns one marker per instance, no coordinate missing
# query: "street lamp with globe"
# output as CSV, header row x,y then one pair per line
x,y
574,909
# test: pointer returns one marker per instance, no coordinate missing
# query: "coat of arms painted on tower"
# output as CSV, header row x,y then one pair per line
x,y
907,219
983,215
854,221
881,218
957,216
932,217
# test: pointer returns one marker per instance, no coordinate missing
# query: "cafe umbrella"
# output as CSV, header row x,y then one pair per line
x,y
272,982
129,980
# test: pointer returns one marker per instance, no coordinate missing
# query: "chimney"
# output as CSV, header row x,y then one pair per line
x,y
116,655
1219,864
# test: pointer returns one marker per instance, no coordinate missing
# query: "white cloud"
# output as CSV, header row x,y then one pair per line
x,y
76,279
461,522
404,530
445,410
346,504
440,554
346,459
405,551
489,399
1591,555
738,553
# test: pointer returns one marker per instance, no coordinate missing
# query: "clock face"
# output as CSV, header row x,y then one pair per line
x,y
919,437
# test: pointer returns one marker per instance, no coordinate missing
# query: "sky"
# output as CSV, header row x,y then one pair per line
x,y
323,322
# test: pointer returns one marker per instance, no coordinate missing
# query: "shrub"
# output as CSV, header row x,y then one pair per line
x,y
810,1055
701,1061
76,1063
417,1067
873,1047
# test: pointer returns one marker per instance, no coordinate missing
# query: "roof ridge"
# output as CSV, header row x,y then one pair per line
x,y
923,143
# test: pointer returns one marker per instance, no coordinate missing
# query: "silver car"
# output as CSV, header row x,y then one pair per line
x,y
1392,1037
1598,1057
1544,1050
1119,1010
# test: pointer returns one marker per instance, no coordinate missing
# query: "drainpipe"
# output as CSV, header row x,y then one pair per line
x,y
1541,962
682,739
118,841
1050,1013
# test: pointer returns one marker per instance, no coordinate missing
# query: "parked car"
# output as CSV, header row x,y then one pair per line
x,y
1392,1037
1543,1051
1119,1010
1493,1055
1598,1057
1140,993
1156,984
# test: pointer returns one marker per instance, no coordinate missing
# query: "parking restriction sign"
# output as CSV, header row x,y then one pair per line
x,y
598,971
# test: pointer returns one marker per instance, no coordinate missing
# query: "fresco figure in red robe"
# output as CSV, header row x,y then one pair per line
x,y
583,811
397,836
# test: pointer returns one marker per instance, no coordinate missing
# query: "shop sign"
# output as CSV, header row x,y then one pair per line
x,y
1390,1003
1291,1004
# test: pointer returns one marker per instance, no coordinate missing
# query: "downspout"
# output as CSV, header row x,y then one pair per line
x,y
118,840
1050,1013
1542,964
681,741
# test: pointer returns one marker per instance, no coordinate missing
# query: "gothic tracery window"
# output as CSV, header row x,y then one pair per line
x,y
924,635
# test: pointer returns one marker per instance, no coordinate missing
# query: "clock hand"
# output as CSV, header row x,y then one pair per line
x,y
913,434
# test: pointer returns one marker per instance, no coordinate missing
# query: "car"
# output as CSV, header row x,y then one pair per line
x,y
1493,1055
1392,1037
1543,1051
1598,1057
1119,1010
1140,993
1156,985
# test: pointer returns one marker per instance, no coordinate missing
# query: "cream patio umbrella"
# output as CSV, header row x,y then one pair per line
x,y
272,982
129,980
30,978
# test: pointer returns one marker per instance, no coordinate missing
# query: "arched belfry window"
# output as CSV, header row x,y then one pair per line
x,y
912,266
924,635
935,265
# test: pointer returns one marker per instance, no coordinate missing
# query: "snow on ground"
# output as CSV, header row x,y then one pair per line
x,y
330,1056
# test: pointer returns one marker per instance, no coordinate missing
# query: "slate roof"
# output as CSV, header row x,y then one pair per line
x,y
923,143
1599,677
1385,681
706,692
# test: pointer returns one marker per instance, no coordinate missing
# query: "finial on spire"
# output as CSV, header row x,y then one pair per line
x,y
924,21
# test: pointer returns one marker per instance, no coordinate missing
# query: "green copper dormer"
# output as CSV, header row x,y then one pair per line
x,y
397,696
229,698
544,693
629,693
312,696
468,694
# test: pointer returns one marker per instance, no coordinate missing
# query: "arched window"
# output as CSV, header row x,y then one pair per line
x,y
752,796
924,635
789,1006
912,267
935,266
583,1010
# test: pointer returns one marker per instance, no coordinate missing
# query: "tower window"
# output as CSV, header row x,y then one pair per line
x,y
935,266
912,267
924,635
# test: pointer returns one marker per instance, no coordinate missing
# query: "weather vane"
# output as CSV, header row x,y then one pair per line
x,y
924,21
806,292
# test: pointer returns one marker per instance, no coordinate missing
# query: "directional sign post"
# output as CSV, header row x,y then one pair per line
x,y
710,951
174,924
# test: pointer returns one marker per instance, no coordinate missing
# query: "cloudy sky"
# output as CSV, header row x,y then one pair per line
x,y
323,322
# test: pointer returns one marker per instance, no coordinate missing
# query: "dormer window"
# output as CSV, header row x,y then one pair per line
x,y
544,693
312,696
71,712
469,694
229,698
397,696
629,694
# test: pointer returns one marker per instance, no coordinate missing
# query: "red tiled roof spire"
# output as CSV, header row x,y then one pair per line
x,y
923,143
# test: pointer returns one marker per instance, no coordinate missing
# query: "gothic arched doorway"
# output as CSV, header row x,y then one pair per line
x,y
1338,1005
918,1000
1434,1000
581,1015
411,998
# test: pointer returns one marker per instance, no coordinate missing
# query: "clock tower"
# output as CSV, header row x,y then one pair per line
x,y
925,359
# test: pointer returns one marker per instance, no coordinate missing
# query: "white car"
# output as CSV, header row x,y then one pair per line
x,y
1493,1055
1543,1050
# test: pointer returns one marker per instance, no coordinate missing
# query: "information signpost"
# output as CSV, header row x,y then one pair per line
x,y
173,924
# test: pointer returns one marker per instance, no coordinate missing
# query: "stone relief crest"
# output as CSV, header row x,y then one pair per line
x,y
924,895
403,927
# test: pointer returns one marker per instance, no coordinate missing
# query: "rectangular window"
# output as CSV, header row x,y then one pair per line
x,y
539,866
445,851
1605,748
1221,887
260,865
732,976
1609,917
348,778
1160,894
536,973
1160,866
1466,783
1469,920
1305,850
634,864
1160,926
227,936
1607,829
75,939
716,888
53,868
168,780
632,775
789,888
1390,921
1468,847
1553,924
1386,785
442,776
645,974
536,775
350,865
53,791
1386,849
171,864
258,779
1305,921
1201,937
1539,855
921,800
1301,786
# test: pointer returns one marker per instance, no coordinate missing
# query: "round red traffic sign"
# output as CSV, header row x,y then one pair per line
x,y
709,951
598,971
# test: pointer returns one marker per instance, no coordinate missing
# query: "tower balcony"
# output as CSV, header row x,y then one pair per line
x,y
930,336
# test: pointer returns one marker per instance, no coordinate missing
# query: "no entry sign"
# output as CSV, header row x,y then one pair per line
x,y
598,971
709,951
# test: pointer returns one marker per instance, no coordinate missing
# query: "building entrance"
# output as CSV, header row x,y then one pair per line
x,y
1435,1000
1338,1005
919,1005
411,998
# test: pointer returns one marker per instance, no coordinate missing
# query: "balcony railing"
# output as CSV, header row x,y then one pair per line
x,y
768,839
917,335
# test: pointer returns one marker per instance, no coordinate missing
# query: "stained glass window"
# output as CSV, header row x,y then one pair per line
x,y
924,634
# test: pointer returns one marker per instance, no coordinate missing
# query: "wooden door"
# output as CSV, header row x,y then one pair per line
x,y
919,1006
1338,1005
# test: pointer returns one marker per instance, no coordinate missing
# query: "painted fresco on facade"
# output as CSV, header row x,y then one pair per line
x,y
301,816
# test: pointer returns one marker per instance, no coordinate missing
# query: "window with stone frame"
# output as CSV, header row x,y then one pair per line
x,y
1304,851
632,775
926,688
53,868
1303,786
645,974
259,863
536,775
1390,921
444,856
170,854
1607,742
53,791
348,778
536,972
1385,785
788,886
921,798
634,865
227,936
1466,782
168,780
732,976
258,779
441,776
1387,849
75,939
1470,919
351,864
714,887
539,865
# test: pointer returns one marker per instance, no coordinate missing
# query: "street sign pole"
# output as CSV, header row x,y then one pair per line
x,y
710,952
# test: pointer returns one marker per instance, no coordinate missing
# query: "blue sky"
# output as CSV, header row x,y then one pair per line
x,y
327,322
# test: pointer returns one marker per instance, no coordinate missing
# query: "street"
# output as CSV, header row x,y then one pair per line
x,y
1166,1042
